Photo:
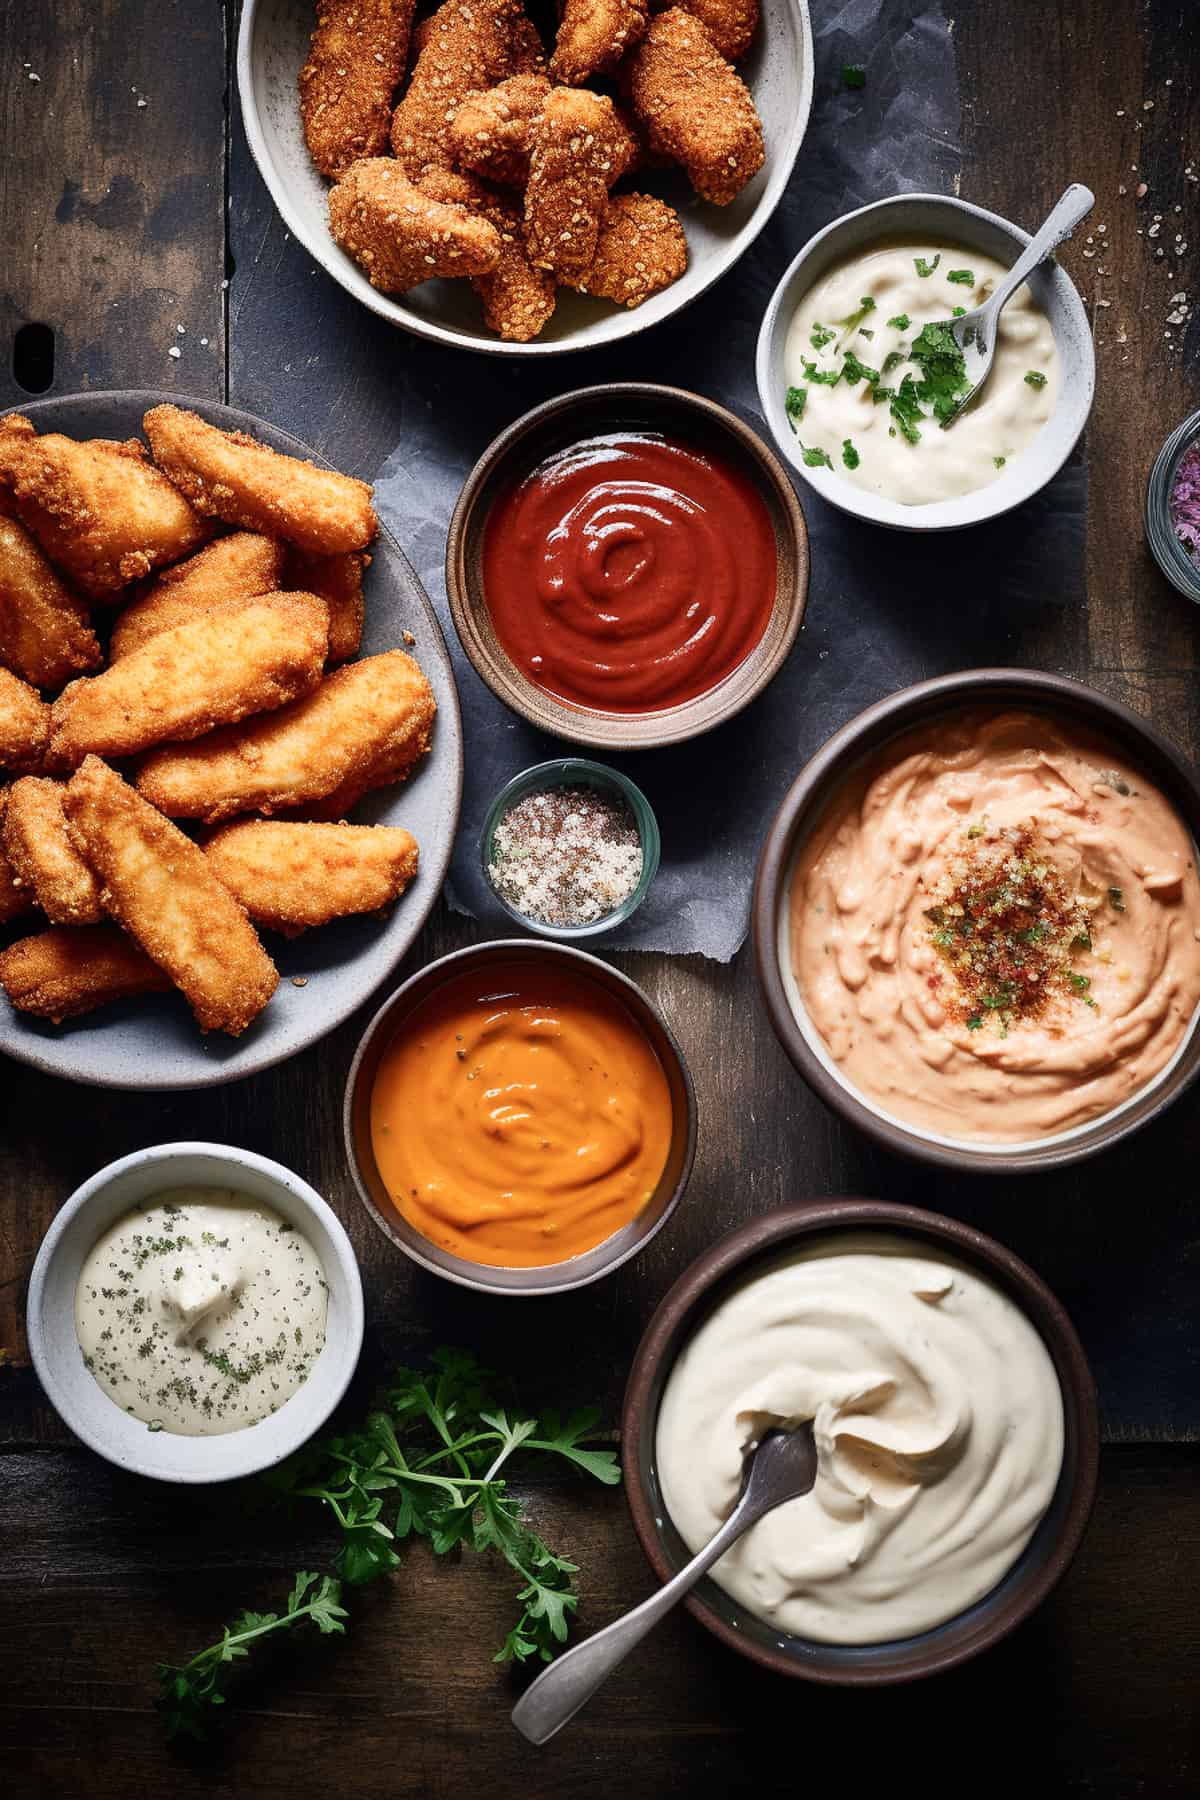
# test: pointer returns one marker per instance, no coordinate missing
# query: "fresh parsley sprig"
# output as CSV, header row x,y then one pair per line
x,y
189,1691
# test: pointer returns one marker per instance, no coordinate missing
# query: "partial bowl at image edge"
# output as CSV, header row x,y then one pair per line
x,y
548,1278
825,773
1036,1571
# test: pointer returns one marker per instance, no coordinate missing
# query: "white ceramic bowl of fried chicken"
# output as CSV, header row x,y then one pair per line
x,y
668,89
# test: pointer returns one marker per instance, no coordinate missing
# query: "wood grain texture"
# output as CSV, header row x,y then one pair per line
x,y
1094,1696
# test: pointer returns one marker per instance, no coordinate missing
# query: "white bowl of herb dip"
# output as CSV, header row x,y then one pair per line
x,y
195,1312
856,368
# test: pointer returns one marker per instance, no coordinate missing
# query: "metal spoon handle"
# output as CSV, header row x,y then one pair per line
x,y
559,1692
1074,205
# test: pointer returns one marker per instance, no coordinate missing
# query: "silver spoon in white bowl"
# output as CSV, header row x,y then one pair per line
x,y
782,1466
975,332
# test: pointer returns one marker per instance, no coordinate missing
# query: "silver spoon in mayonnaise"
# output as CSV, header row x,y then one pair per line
x,y
782,1466
975,331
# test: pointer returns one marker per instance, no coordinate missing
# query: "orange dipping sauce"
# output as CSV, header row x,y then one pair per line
x,y
520,1116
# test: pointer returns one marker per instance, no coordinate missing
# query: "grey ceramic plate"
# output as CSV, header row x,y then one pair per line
x,y
154,1042
272,46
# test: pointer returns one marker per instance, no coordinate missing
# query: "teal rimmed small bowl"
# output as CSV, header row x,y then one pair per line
x,y
576,772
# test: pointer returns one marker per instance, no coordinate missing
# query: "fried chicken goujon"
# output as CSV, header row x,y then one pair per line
x,y
400,235
45,630
490,133
41,853
295,876
580,146
356,59
593,36
365,717
238,567
731,24
158,885
229,475
466,45
695,107
100,510
248,657
518,300
641,249
24,724
73,969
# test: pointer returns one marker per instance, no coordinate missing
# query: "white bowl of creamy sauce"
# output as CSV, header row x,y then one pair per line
x,y
857,369
939,1424
991,934
872,367
195,1312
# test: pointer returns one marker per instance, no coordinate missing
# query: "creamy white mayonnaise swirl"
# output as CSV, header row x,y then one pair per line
x,y
938,1420
984,440
201,1312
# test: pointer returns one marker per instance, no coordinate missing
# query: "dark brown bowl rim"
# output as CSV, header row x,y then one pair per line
x,y
997,1614
592,1264
596,729
862,735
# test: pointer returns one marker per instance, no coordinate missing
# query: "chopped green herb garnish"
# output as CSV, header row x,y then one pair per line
x,y
975,1023
999,461
1116,899
817,459
1081,983
793,404
855,371
927,268
853,76
943,371
853,320
1035,378
821,335
906,410
960,312
901,321
963,277
893,359
850,455
822,377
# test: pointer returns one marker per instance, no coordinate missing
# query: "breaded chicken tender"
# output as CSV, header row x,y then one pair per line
x,y
42,854
238,567
731,24
580,147
248,657
339,582
159,886
399,235
518,299
593,36
360,717
291,877
490,133
468,44
15,897
24,725
358,54
695,107
73,969
100,510
45,630
229,475
641,250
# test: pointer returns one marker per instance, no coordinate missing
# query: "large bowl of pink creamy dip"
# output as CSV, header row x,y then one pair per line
x,y
977,921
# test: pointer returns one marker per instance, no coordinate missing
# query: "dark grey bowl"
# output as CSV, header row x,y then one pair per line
x,y
1040,1565
802,807
554,1278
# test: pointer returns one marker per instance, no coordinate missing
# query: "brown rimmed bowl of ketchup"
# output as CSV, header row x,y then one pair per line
x,y
627,566
519,1118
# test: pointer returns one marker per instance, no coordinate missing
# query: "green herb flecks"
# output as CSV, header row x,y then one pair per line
x,y
961,277
927,268
943,371
850,455
821,377
816,459
854,371
853,320
901,322
821,335
793,405
853,76
999,461
1035,378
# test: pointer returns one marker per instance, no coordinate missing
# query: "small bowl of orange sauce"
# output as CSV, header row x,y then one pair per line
x,y
627,566
519,1118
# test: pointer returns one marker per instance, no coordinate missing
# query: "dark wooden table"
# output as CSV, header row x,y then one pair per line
x,y
120,220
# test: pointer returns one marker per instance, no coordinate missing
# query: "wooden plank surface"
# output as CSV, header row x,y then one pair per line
x,y
111,218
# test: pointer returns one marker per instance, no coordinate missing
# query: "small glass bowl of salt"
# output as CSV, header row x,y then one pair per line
x,y
570,848
1173,508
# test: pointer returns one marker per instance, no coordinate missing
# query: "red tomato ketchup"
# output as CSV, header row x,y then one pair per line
x,y
630,572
